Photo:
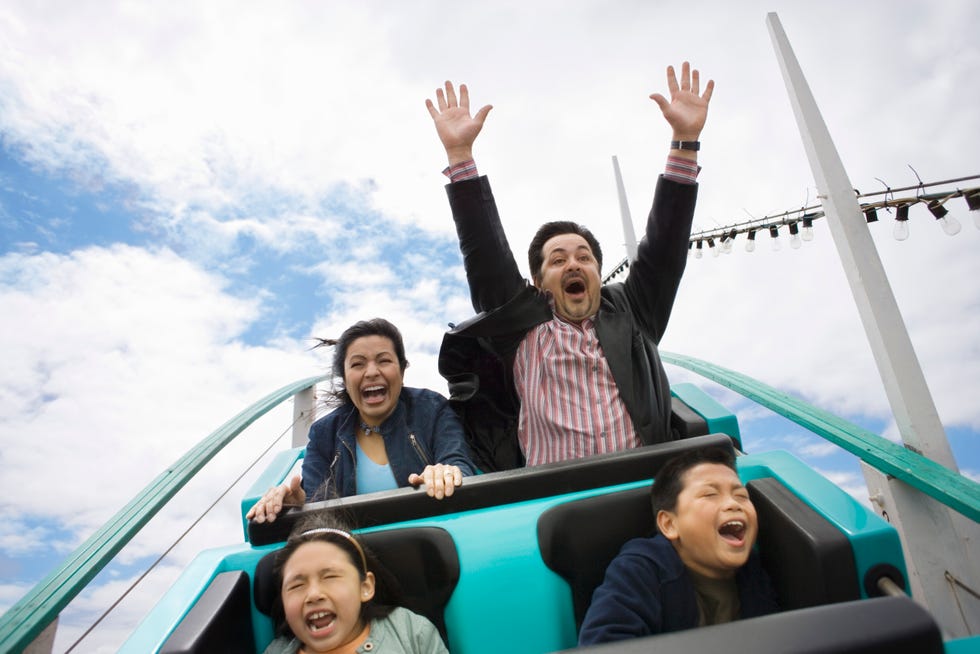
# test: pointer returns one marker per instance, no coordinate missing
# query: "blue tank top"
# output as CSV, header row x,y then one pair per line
x,y
373,477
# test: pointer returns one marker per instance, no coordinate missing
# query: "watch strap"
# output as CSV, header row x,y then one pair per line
x,y
685,145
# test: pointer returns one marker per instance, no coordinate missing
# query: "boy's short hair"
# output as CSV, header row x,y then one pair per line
x,y
668,483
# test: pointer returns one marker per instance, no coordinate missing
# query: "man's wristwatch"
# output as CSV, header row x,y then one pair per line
x,y
685,145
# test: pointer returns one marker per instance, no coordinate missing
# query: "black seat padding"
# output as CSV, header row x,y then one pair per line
x,y
810,561
220,622
685,421
494,489
579,539
884,625
422,559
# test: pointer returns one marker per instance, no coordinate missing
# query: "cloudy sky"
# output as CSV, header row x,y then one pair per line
x,y
190,191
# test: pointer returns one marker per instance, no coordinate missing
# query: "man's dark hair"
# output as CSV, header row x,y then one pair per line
x,y
373,327
669,482
535,256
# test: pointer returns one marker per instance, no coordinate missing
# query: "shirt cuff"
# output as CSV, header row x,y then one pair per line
x,y
461,171
682,170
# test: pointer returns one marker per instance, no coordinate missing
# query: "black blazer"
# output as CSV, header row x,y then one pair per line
x,y
477,356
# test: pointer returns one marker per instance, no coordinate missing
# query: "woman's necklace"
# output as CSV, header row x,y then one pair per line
x,y
367,429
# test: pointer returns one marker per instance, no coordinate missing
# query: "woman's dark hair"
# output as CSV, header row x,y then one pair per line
x,y
334,529
669,482
547,231
373,327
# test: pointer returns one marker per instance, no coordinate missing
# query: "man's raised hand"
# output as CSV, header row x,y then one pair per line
x,y
457,129
687,108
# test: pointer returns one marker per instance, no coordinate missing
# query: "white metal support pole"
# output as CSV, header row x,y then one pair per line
x,y
303,406
44,643
624,211
934,547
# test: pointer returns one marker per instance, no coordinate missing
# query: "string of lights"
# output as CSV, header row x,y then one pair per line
x,y
798,223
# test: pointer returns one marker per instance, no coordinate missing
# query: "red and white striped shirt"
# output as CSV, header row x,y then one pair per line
x,y
570,404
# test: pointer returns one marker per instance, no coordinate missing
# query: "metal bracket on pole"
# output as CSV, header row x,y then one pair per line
x,y
936,542
304,403
44,643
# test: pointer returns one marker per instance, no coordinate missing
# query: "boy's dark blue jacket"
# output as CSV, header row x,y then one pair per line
x,y
647,590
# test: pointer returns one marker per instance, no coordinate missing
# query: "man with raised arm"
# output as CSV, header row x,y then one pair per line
x,y
566,367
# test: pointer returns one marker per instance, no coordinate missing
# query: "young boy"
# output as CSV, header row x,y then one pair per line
x,y
699,570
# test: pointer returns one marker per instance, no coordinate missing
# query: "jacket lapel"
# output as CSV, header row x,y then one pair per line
x,y
615,331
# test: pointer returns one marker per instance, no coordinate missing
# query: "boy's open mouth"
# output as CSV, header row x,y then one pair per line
x,y
733,531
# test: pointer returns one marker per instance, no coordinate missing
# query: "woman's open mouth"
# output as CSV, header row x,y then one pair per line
x,y
374,394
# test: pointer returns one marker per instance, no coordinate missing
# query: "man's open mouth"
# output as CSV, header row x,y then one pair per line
x,y
575,287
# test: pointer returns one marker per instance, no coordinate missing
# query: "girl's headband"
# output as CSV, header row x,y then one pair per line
x,y
344,534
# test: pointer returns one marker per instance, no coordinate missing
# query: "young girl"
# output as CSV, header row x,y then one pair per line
x,y
332,602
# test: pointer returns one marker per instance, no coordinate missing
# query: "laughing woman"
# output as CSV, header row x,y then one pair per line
x,y
382,436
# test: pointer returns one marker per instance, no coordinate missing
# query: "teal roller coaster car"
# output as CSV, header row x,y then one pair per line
x,y
509,562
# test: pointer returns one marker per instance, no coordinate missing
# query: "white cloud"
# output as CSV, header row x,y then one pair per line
x,y
116,627
110,351
121,360
818,449
357,273
223,107
16,536
851,483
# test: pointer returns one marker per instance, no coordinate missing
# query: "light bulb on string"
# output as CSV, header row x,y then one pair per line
x,y
807,231
948,221
901,229
750,241
794,236
697,252
774,233
973,202
690,248
730,241
711,246
871,215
